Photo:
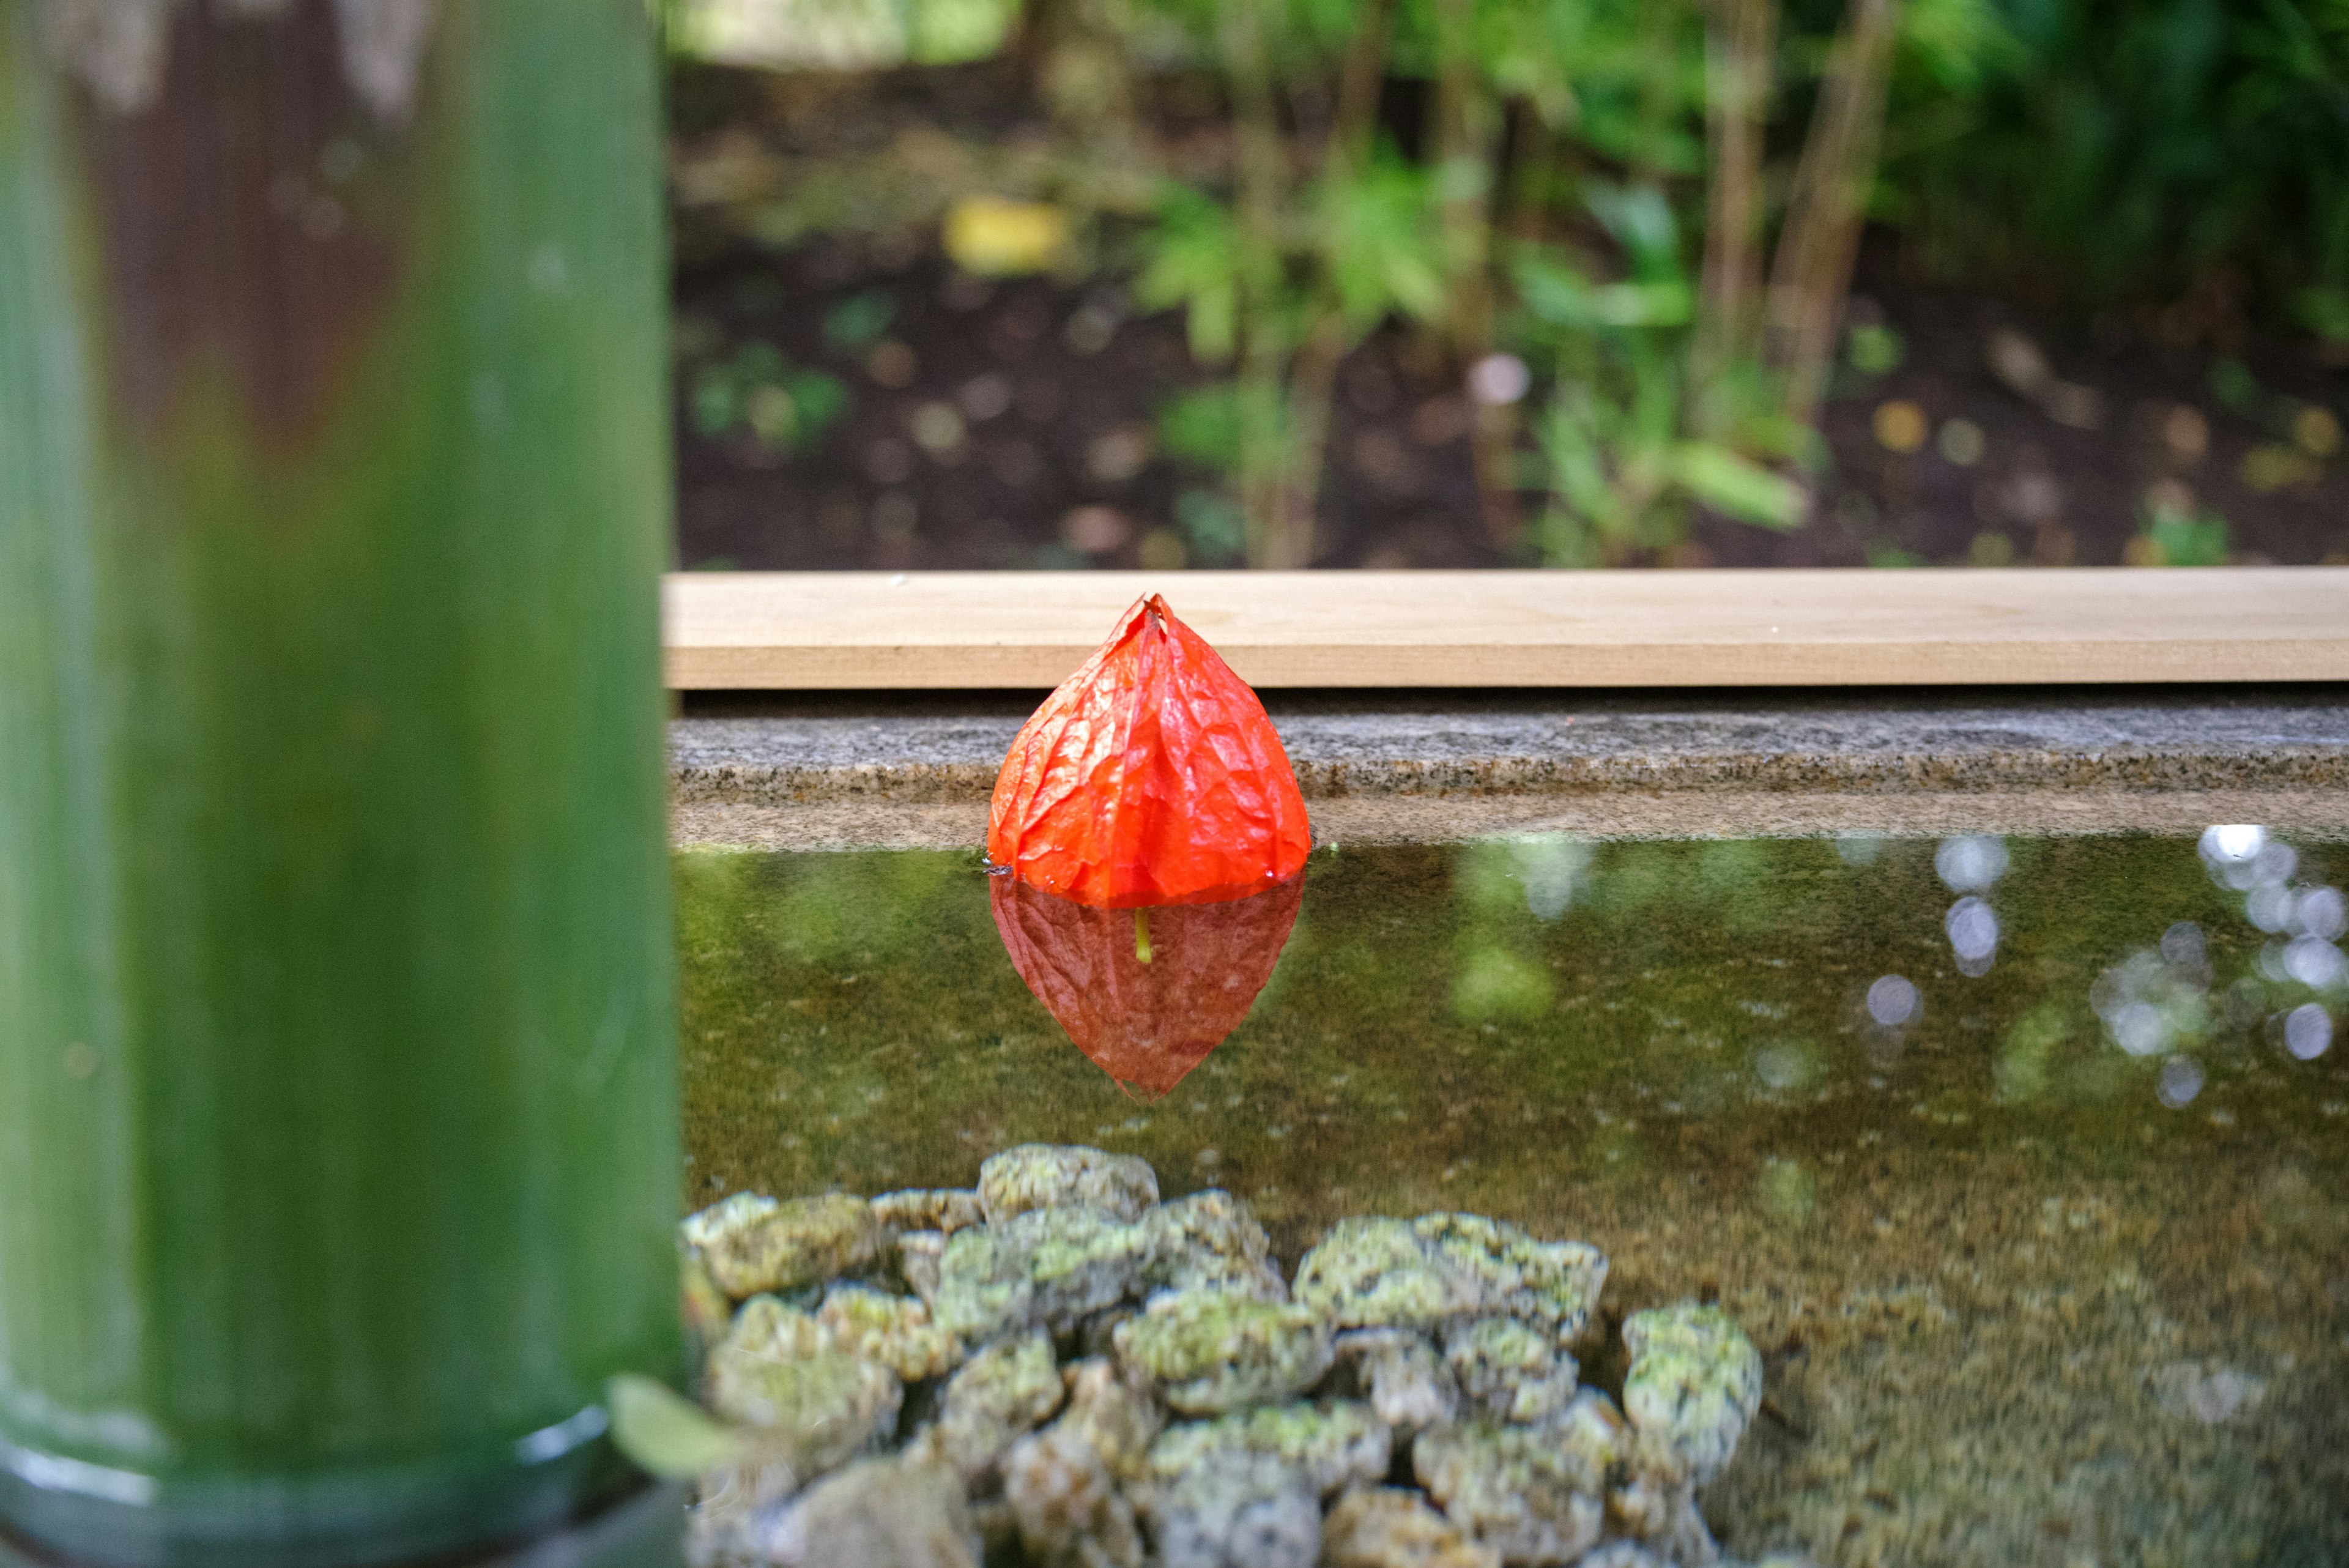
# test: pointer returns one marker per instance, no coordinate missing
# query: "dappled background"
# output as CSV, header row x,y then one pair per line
x,y
1070,283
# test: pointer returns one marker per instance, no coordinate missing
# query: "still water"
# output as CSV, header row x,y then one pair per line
x,y
2025,1161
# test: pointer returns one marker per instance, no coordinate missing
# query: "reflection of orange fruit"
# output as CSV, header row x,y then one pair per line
x,y
1152,776
1146,1022
997,237
1899,426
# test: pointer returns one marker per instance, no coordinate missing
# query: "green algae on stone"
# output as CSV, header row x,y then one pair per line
x,y
751,1243
1554,1283
1422,1274
1508,1370
1211,1351
1045,1268
1065,1176
1210,1241
1334,1445
1696,1380
825,1407
894,1331
1380,1273
770,1328
946,1208
1002,1393
1387,1527
1512,1488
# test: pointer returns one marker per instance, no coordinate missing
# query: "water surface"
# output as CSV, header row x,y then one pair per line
x,y
2025,1161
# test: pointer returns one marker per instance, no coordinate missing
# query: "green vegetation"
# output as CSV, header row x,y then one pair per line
x,y
1628,229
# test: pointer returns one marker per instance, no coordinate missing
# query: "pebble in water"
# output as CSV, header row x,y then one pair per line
x,y
1695,1381
1450,1332
751,1243
1054,1176
1239,1510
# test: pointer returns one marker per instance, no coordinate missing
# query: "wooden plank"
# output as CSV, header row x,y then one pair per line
x,y
972,630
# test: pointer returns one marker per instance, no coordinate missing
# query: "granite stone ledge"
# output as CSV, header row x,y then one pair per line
x,y
910,750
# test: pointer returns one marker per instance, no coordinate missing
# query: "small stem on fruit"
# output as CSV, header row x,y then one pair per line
x,y
1142,936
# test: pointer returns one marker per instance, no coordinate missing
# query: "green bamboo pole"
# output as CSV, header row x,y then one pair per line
x,y
337,1148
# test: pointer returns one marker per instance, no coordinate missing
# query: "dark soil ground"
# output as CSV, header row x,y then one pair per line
x,y
1012,424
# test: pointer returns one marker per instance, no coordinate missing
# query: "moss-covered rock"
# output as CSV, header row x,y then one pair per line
x,y
1512,1488
751,1243
1239,1509
1211,1351
1553,1285
1387,1527
1065,1176
901,1513
1047,1268
1000,1393
1381,1274
822,1407
1695,1381
943,1209
1402,1377
1115,1411
1070,1511
1334,1445
1508,1370
1442,1268
1210,1241
894,1331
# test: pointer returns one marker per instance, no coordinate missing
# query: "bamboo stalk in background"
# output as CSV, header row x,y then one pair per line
x,y
1467,135
1739,38
1820,241
1260,199
1346,151
339,1158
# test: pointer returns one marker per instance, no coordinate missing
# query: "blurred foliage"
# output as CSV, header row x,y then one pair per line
x,y
1652,205
784,408
2105,151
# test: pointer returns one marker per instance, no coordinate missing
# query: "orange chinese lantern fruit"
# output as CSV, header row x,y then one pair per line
x,y
1152,776
1146,1012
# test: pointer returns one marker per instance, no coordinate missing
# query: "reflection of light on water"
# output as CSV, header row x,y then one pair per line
x,y
1783,1065
2307,1030
2322,913
2181,1080
1859,849
2148,1002
2232,854
1893,1000
1972,926
1547,864
2315,963
1971,862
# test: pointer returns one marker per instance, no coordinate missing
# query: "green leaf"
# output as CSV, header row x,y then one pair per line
x,y
1737,486
666,1434
1193,260
1558,295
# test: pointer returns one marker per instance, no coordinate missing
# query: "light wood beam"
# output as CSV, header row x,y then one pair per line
x,y
785,630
